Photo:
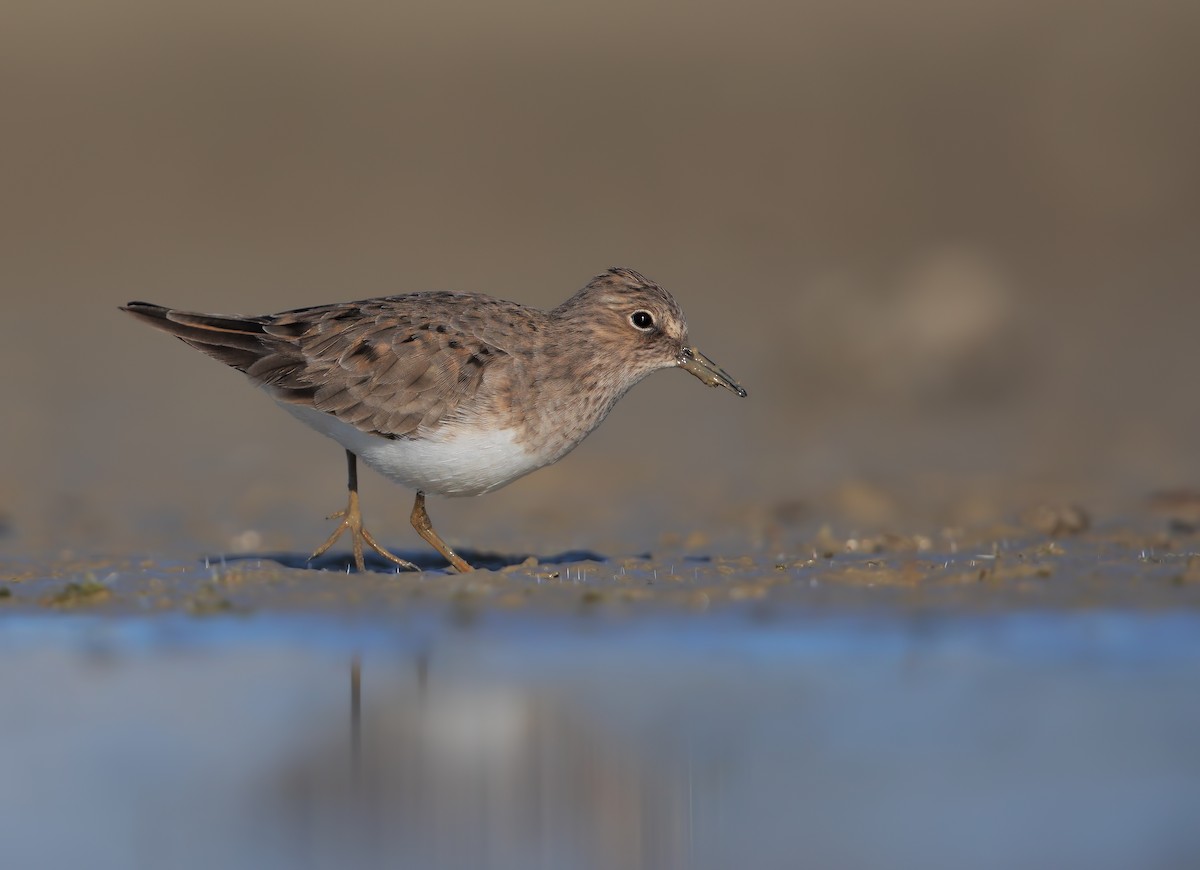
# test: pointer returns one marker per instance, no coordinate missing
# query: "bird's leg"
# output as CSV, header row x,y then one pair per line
x,y
352,522
420,522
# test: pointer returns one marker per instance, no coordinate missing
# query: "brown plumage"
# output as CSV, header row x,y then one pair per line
x,y
446,375
387,366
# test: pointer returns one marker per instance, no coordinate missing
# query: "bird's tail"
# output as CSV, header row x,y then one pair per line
x,y
234,340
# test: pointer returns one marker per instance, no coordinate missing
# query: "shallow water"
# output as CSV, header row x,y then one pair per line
x,y
1060,739
986,697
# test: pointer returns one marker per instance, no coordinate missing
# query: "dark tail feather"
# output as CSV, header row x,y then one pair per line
x,y
235,341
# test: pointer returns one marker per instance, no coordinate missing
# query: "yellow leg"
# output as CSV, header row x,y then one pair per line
x,y
352,522
420,522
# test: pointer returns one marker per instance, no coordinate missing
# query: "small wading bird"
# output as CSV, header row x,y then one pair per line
x,y
451,393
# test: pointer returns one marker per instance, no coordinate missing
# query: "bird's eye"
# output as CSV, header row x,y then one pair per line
x,y
643,320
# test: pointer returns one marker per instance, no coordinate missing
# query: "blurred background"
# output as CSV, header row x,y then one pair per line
x,y
950,248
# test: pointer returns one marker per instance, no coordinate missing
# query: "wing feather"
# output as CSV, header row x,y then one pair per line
x,y
389,366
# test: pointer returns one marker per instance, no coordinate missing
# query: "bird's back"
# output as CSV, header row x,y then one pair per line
x,y
388,366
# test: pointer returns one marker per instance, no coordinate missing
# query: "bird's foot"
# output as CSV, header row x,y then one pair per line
x,y
351,521
423,525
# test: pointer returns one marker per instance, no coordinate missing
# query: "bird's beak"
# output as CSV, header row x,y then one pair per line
x,y
691,360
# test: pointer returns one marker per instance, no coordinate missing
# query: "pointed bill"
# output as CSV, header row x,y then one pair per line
x,y
691,360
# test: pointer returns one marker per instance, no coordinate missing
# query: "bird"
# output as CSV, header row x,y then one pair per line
x,y
455,394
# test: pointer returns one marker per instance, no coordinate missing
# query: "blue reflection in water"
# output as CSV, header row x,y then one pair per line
x,y
1053,740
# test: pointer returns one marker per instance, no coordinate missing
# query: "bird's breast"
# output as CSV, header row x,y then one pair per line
x,y
450,461
454,461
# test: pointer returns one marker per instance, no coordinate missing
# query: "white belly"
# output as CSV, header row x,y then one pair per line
x,y
450,462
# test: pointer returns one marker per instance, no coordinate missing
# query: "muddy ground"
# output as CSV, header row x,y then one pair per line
x,y
1006,571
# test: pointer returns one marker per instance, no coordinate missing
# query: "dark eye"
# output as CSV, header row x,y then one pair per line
x,y
643,320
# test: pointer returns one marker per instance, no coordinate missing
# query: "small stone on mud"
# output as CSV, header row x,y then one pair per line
x,y
747,592
1057,520
246,542
526,563
78,594
1181,507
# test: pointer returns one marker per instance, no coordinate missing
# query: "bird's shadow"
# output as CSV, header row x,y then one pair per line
x,y
424,560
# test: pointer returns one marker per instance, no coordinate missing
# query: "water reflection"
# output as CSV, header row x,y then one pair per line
x,y
1061,741
453,772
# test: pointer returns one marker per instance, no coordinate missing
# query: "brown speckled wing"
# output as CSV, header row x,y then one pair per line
x,y
388,366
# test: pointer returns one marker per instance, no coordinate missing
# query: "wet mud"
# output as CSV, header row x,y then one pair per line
x,y
1049,559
